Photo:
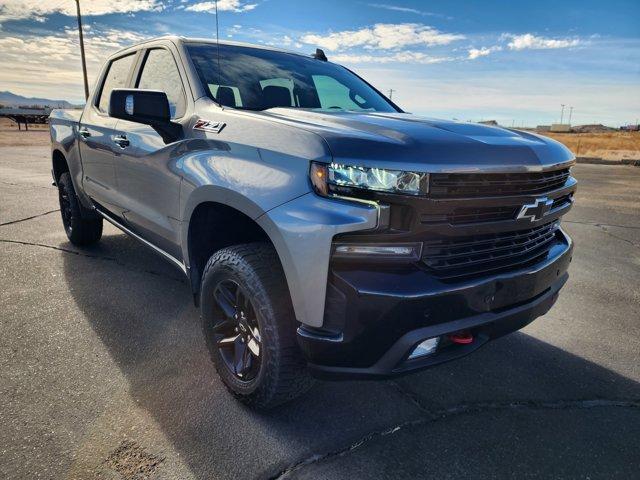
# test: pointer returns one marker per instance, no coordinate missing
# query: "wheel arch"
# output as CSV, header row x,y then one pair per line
x,y
59,164
211,226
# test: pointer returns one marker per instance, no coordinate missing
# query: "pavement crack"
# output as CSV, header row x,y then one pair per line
x,y
413,398
611,234
97,257
596,224
30,185
29,218
604,227
436,415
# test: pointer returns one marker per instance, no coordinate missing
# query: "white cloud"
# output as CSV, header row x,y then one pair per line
x,y
39,9
383,36
396,8
530,41
397,57
49,65
223,5
482,52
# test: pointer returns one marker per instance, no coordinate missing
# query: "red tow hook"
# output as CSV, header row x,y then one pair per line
x,y
461,338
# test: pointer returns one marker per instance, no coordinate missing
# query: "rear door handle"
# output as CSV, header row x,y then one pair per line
x,y
121,141
84,132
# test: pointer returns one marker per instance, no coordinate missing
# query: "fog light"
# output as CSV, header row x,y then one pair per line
x,y
427,347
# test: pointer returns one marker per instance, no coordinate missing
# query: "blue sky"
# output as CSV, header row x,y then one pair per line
x,y
513,61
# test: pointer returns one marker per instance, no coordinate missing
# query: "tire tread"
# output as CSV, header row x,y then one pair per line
x,y
286,375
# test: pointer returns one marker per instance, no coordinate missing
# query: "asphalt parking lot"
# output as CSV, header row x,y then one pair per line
x,y
104,373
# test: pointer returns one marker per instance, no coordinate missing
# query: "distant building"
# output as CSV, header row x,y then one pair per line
x,y
489,122
560,128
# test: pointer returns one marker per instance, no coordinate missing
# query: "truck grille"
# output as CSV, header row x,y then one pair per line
x,y
495,184
478,254
469,215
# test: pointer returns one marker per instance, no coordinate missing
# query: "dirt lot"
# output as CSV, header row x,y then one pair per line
x,y
609,146
11,136
104,372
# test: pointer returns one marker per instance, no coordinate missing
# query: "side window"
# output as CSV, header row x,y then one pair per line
x,y
161,73
334,94
116,77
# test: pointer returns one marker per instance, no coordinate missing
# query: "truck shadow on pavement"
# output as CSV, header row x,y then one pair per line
x,y
144,315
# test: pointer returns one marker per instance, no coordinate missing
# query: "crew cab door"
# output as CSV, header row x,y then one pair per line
x,y
148,182
96,133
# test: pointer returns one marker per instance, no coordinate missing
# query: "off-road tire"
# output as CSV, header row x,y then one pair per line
x,y
282,374
81,226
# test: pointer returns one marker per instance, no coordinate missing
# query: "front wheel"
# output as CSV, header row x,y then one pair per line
x,y
249,325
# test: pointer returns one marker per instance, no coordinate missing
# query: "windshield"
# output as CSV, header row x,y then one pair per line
x,y
258,79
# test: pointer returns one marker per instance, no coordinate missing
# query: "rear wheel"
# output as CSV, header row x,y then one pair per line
x,y
249,325
81,226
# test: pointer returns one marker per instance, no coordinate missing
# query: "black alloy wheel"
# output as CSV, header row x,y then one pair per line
x,y
82,226
65,209
237,333
250,326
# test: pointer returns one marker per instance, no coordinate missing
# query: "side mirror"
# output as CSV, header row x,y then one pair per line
x,y
149,107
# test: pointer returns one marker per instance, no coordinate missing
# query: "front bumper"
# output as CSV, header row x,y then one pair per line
x,y
374,319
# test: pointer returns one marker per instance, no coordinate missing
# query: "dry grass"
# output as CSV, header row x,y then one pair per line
x,y
610,145
10,136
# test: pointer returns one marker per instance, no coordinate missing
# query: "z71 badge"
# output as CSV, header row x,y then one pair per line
x,y
208,126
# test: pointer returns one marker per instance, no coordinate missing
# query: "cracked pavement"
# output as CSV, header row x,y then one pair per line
x,y
101,348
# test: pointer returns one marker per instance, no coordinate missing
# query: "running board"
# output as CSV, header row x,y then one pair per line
x,y
166,255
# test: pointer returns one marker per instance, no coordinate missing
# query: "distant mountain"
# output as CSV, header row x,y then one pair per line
x,y
9,99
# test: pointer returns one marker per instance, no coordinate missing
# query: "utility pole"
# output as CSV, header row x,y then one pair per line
x,y
570,113
561,113
84,61
391,90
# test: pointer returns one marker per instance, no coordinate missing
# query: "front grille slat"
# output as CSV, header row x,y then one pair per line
x,y
483,253
471,185
489,256
493,249
464,215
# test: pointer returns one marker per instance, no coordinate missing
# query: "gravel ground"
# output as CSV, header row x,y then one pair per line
x,y
104,373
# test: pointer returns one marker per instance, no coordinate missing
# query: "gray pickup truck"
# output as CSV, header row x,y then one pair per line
x,y
323,231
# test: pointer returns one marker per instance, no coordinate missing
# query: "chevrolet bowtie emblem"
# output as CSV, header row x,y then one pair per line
x,y
537,210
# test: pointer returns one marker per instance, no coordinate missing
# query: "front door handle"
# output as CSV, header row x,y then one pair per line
x,y
84,132
121,141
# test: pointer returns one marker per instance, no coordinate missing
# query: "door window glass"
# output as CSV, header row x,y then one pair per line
x,y
161,73
116,77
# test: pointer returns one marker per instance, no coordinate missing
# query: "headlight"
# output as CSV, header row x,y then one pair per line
x,y
342,179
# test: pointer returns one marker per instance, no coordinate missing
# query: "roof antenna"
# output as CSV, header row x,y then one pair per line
x,y
319,55
218,50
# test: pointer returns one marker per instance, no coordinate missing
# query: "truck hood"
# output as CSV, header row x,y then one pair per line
x,y
425,144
